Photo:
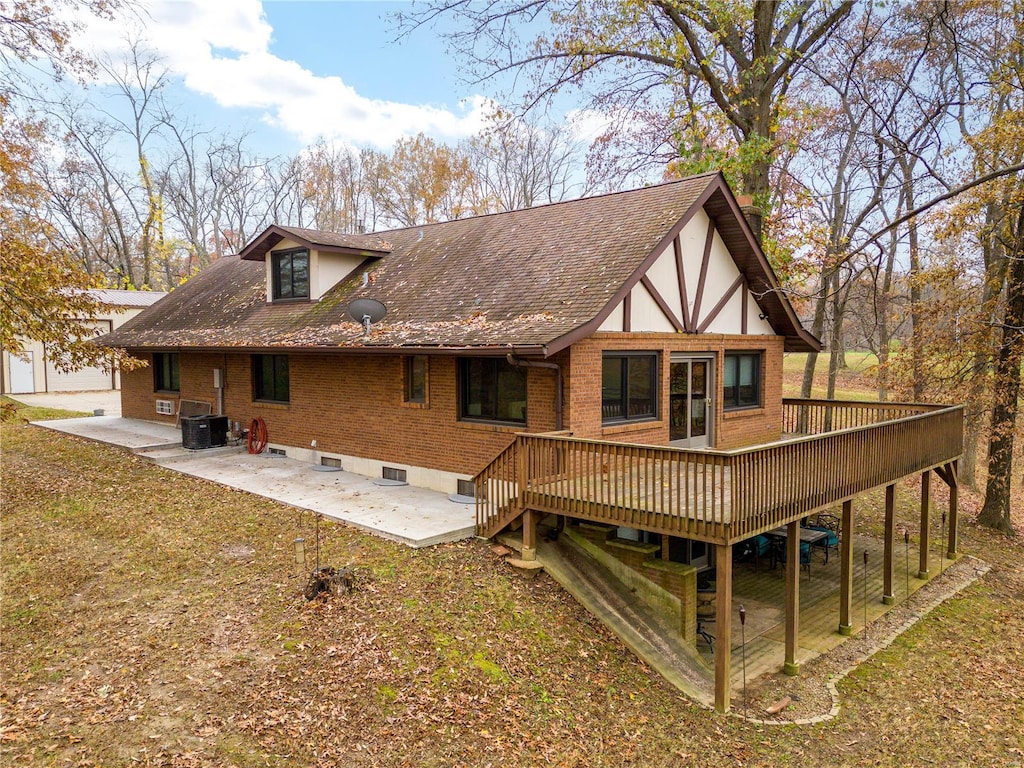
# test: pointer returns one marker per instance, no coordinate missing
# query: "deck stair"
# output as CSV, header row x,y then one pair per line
x,y
641,628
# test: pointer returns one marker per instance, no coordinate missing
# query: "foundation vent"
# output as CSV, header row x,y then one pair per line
x,y
392,473
166,407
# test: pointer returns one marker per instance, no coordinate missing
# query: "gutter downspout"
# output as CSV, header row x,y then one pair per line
x,y
518,362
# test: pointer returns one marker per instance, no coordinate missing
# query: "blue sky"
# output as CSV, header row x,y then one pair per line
x,y
294,71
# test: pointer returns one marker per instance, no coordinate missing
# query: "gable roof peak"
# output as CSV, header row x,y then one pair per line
x,y
335,242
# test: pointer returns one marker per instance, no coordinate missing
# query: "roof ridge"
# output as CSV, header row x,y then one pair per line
x,y
584,198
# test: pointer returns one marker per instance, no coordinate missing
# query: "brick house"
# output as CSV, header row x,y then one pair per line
x,y
614,360
652,313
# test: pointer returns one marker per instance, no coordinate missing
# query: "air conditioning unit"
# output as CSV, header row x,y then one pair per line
x,y
218,430
199,432
195,433
166,407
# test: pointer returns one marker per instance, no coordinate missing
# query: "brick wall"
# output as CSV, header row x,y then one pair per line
x,y
353,405
732,429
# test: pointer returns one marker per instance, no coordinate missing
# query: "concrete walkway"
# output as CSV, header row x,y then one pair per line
x,y
106,400
416,517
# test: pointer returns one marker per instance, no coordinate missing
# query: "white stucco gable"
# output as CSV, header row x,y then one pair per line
x,y
693,286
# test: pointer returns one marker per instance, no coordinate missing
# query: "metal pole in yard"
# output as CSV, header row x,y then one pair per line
x,y
906,543
865,590
942,555
318,543
743,646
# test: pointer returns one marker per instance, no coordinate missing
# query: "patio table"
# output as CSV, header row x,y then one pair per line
x,y
779,536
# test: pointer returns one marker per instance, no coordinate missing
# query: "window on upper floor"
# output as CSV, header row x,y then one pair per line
x,y
166,372
270,378
629,386
741,386
290,273
491,390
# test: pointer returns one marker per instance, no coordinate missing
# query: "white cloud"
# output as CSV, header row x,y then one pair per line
x,y
221,49
586,125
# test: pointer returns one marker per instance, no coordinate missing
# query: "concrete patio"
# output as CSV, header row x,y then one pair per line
x,y
413,516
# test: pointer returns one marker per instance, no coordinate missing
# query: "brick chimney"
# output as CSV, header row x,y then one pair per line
x,y
752,214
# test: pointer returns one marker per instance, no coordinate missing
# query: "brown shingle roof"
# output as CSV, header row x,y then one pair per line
x,y
524,279
368,245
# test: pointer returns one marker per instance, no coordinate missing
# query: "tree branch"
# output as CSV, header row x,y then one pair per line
x,y
997,174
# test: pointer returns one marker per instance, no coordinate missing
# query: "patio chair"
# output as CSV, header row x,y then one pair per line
x,y
779,555
706,613
752,550
830,524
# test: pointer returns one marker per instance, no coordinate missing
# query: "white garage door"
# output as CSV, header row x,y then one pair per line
x,y
79,381
23,374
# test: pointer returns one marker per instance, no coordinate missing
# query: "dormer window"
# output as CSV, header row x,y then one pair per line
x,y
290,273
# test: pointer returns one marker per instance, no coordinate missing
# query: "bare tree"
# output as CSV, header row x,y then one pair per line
x,y
735,60
518,163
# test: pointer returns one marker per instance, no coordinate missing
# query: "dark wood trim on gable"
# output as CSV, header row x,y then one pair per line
x,y
627,312
705,262
259,247
766,288
744,300
737,284
662,304
715,184
677,246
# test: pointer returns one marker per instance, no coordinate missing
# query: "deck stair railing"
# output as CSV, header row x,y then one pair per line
x,y
719,496
497,492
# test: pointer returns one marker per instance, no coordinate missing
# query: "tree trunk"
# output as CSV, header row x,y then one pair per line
x,y
836,342
817,326
916,330
1007,382
973,425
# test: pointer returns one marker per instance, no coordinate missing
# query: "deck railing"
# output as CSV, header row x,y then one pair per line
x,y
814,417
720,496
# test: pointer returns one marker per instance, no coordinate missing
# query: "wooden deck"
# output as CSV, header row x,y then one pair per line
x,y
720,497
637,492
762,592
725,497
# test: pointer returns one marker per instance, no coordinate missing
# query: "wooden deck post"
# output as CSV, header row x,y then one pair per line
x,y
888,596
926,502
791,667
723,625
529,535
846,570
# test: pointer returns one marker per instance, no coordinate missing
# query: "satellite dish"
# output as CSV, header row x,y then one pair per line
x,y
367,312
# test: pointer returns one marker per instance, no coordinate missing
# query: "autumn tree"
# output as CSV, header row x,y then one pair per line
x,y
520,162
882,95
42,287
998,144
338,184
422,182
720,68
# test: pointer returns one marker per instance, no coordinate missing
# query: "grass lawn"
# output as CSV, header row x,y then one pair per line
x,y
855,382
150,619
